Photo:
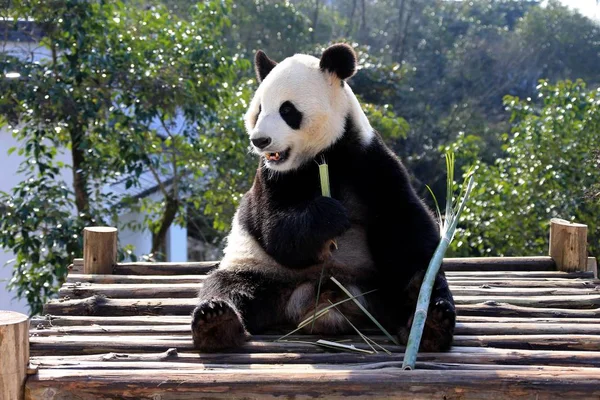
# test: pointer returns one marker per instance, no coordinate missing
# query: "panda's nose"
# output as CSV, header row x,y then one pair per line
x,y
261,142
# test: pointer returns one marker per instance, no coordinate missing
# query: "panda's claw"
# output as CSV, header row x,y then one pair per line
x,y
217,325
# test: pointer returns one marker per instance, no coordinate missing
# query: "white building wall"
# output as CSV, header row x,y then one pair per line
x,y
9,178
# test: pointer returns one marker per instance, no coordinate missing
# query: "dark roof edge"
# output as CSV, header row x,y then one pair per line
x,y
24,31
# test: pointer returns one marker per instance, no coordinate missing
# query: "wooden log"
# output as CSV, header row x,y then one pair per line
x,y
189,290
462,328
525,283
519,274
500,328
14,354
77,320
76,344
527,320
50,321
492,291
99,249
390,383
82,344
592,266
576,279
532,342
495,309
590,301
131,291
568,245
473,355
153,268
99,305
102,279
543,263
372,364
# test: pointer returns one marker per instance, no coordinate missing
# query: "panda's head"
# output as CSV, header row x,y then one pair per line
x,y
302,105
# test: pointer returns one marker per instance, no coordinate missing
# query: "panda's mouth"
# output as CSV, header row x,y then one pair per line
x,y
277,157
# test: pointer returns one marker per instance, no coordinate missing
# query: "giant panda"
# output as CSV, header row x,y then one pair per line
x,y
372,233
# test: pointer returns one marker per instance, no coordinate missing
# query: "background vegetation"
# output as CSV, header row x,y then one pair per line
x,y
158,88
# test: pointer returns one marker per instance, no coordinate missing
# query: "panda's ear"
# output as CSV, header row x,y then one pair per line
x,y
339,59
263,65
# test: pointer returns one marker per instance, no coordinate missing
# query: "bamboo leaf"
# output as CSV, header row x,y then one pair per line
x,y
367,313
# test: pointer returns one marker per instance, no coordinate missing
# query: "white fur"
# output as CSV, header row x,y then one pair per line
x,y
319,96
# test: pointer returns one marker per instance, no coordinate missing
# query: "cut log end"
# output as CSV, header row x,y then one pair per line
x,y
568,245
99,249
14,354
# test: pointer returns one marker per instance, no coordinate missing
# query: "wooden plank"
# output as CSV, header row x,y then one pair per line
x,y
189,290
470,279
153,268
130,291
471,355
490,290
462,328
543,263
298,367
77,320
68,320
74,278
106,344
495,309
75,344
526,320
99,305
317,383
570,302
525,283
521,274
532,342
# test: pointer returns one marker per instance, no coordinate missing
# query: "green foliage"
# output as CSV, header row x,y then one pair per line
x,y
126,91
544,172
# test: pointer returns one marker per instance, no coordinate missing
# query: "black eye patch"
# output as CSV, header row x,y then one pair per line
x,y
290,115
257,115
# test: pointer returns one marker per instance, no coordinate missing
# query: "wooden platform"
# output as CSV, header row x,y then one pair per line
x,y
524,331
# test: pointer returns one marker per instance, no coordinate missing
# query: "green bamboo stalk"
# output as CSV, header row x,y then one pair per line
x,y
451,221
324,175
325,191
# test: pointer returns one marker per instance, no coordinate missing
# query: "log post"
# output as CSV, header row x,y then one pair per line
x,y
14,354
568,245
99,250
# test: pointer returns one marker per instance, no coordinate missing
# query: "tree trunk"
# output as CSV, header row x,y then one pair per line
x,y
401,4
405,34
351,19
82,199
363,20
314,21
159,239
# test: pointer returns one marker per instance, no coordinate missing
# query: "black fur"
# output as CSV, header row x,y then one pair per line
x,y
339,59
290,114
287,215
263,65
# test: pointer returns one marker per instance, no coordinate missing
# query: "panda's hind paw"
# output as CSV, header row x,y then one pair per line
x,y
216,325
439,327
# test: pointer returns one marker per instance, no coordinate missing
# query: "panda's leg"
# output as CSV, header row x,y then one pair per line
x,y
234,302
441,316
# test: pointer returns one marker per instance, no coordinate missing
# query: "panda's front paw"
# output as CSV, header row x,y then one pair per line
x,y
216,325
331,217
439,327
